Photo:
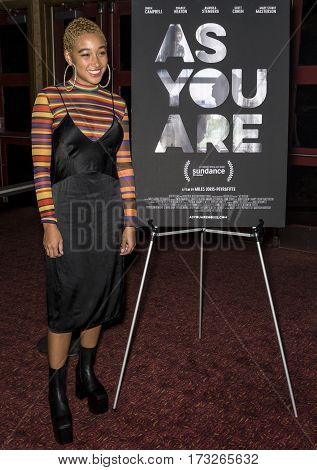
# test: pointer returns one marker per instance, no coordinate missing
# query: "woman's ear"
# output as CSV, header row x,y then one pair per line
x,y
68,57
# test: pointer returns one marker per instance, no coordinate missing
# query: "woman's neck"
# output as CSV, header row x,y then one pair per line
x,y
81,86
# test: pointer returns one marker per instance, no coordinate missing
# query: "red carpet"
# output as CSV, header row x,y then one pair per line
x,y
225,391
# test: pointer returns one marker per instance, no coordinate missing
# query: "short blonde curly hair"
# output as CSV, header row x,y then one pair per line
x,y
77,27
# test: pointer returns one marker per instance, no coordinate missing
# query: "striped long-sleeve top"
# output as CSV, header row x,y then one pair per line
x,y
90,107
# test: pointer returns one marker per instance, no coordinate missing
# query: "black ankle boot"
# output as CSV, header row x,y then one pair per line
x,y
60,413
87,384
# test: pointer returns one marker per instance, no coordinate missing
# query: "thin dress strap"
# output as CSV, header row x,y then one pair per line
x,y
62,100
112,106
113,113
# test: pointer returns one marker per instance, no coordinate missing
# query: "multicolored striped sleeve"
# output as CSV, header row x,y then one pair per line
x,y
41,137
126,175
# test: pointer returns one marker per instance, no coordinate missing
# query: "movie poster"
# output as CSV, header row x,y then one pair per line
x,y
210,95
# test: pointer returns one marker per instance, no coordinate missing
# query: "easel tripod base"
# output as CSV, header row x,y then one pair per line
x,y
257,234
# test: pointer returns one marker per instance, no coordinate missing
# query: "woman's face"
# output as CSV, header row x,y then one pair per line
x,y
90,57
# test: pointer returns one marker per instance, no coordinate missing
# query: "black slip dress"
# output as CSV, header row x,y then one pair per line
x,y
84,285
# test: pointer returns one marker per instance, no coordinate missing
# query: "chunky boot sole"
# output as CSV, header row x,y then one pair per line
x,y
97,405
97,402
63,435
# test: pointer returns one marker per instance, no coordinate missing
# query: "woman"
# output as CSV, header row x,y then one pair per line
x,y
85,190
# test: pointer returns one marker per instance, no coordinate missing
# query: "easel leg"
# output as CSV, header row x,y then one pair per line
x,y
201,283
133,322
276,327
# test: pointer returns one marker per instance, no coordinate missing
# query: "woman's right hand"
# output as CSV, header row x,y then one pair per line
x,y
52,240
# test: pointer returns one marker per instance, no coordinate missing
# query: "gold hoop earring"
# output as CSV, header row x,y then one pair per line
x,y
105,86
74,66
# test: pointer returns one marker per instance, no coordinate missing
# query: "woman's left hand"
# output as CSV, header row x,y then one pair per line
x,y
128,241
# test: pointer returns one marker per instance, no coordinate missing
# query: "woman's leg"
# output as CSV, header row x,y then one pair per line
x,y
89,338
58,346
87,384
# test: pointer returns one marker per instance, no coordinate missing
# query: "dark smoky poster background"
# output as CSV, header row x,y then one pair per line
x,y
210,92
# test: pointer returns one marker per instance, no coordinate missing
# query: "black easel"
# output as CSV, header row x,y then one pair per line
x,y
257,234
